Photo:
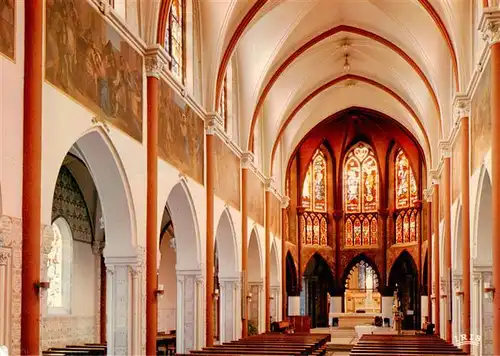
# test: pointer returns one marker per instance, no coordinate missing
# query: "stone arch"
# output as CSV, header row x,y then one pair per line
x,y
102,160
225,238
275,270
354,261
483,218
255,270
181,207
457,242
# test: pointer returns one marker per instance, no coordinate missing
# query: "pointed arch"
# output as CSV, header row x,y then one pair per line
x,y
483,218
183,213
275,265
225,238
354,261
255,257
457,240
291,275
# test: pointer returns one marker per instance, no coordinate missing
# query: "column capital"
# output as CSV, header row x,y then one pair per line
x,y
428,194
285,201
4,257
269,184
155,61
461,108
489,26
445,147
247,160
212,123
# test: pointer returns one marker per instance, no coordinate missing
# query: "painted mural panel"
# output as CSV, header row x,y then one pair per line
x,y
455,171
255,198
180,134
227,174
87,59
481,119
8,28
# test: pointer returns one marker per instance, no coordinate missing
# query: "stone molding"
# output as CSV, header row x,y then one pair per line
x,y
155,61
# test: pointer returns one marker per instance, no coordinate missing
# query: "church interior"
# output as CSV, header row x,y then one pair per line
x,y
249,177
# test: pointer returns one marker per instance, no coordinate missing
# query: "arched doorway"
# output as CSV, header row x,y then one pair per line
x,y
318,286
275,285
403,279
291,276
255,285
361,283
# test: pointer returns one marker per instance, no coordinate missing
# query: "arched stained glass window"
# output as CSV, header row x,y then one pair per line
x,y
174,41
361,287
406,197
313,200
361,182
406,185
59,262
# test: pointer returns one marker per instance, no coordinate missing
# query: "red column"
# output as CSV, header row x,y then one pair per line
x,y
151,214
32,169
284,301
447,243
209,138
495,165
464,156
300,212
244,251
429,262
267,252
437,286
337,216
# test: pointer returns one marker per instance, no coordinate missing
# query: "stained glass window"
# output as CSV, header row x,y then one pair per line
x,y
174,41
406,185
59,261
361,289
361,180
223,103
313,200
361,196
406,195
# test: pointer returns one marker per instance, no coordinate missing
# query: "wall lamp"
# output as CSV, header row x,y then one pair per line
x,y
489,291
41,285
249,297
160,291
216,294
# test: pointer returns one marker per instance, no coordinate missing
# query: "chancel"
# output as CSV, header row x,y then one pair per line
x,y
249,177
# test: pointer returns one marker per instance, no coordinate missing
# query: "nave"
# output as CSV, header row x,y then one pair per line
x,y
182,176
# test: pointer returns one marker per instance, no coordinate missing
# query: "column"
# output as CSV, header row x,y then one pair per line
x,y
457,297
32,169
437,287
229,306
246,162
121,291
489,27
267,252
477,316
300,212
189,310
383,213
5,297
209,189
429,257
337,216
463,110
154,67
284,301
447,243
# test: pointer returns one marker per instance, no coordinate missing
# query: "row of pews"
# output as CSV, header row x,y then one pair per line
x,y
404,345
72,350
272,344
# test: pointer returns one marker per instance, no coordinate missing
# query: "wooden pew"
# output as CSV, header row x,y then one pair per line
x,y
405,345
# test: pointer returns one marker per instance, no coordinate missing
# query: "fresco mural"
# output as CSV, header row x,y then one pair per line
x,y
87,59
255,198
455,169
8,28
227,174
481,120
180,134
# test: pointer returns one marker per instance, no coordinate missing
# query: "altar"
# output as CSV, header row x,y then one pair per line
x,y
350,320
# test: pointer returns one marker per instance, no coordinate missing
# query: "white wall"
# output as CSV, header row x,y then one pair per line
x,y
167,304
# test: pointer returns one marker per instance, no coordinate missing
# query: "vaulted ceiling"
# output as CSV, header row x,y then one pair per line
x,y
406,59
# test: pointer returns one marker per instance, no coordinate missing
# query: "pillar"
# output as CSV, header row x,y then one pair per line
x,y
300,212
153,70
337,216
383,218
464,181
284,300
429,259
32,169
229,305
447,245
246,162
495,167
209,189
437,287
267,252
190,300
